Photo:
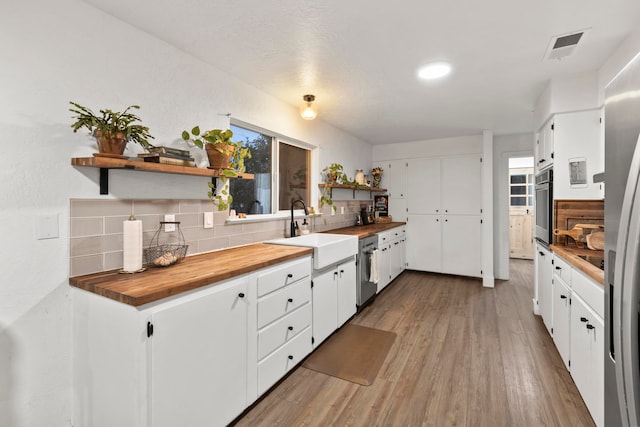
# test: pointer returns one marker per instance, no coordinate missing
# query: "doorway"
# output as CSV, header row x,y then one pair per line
x,y
521,207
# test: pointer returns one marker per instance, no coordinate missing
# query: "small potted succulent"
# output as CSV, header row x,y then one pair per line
x,y
112,130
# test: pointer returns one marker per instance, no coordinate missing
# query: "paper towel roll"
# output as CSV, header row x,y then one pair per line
x,y
132,245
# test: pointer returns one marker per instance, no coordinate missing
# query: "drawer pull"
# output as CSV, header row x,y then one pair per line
x,y
563,297
590,326
290,357
289,275
290,328
241,295
558,268
584,319
290,300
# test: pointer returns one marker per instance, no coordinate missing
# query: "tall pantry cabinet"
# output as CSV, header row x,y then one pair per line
x,y
443,211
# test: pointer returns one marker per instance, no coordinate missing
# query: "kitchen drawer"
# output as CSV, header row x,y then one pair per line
x,y
384,237
397,233
278,363
591,292
283,301
273,278
283,330
562,269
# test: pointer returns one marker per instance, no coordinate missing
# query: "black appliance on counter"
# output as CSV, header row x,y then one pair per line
x,y
544,207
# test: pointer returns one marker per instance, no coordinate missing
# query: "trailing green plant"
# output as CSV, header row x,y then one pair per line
x,y
109,123
220,140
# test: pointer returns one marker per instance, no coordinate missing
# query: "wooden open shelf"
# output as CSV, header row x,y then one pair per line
x,y
352,187
106,163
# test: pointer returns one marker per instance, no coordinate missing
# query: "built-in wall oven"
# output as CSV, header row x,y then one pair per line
x,y
544,206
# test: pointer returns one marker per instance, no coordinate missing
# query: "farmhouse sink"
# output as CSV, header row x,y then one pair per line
x,y
327,248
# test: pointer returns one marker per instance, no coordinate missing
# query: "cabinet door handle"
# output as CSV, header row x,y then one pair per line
x,y
241,295
446,210
290,357
563,296
290,300
341,271
558,268
584,319
541,253
290,328
437,210
289,275
589,326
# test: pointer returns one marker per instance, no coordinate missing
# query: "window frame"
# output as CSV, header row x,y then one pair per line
x,y
276,139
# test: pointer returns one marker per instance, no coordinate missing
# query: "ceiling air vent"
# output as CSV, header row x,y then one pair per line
x,y
563,46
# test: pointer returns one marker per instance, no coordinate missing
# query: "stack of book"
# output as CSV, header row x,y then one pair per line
x,y
168,156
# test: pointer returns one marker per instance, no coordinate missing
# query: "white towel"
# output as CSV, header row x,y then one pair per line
x,y
373,274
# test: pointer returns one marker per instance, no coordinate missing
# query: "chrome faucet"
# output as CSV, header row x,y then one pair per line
x,y
293,224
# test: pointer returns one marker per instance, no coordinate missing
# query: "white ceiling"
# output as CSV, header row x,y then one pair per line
x,y
360,57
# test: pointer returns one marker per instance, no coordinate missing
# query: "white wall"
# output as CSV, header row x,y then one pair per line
x,y
504,147
54,52
427,148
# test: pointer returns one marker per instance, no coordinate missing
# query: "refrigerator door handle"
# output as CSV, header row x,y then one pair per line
x,y
626,296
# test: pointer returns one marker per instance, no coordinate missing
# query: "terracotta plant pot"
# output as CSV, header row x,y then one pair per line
x,y
111,144
218,160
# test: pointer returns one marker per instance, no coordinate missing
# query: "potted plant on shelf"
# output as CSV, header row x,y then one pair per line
x,y
223,154
376,173
112,130
334,174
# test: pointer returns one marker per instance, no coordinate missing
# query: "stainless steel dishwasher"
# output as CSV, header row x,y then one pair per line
x,y
366,290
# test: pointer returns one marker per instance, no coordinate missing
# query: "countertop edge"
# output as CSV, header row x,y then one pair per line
x,y
571,256
122,287
362,231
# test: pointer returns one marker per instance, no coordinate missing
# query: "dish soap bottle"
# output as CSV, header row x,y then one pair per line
x,y
304,228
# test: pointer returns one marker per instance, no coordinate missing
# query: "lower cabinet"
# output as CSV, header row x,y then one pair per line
x,y
587,356
575,310
544,285
391,255
199,358
334,299
561,318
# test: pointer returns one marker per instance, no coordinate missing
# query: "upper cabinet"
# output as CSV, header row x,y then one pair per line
x,y
579,154
544,145
423,185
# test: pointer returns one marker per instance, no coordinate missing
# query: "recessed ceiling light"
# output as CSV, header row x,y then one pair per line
x,y
434,71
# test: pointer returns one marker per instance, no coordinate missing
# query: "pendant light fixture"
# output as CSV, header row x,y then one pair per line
x,y
308,110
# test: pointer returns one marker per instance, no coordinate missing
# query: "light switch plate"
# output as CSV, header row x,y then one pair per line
x,y
47,227
341,210
169,227
208,220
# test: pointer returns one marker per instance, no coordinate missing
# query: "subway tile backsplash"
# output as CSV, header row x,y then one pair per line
x,y
96,228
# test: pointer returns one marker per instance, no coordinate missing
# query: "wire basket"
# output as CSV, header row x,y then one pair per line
x,y
165,254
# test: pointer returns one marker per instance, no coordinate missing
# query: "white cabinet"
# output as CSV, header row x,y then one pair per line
x,y
561,318
544,145
394,179
444,227
347,288
423,186
325,307
391,255
396,258
424,243
461,248
461,190
192,380
198,358
334,298
587,360
544,284
579,154
181,361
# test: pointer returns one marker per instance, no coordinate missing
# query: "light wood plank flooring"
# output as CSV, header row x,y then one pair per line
x,y
464,356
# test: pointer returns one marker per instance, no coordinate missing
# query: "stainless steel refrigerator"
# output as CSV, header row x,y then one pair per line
x,y
622,249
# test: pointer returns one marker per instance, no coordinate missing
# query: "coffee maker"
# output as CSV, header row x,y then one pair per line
x,y
366,213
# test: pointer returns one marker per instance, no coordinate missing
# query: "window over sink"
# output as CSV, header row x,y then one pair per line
x,y
281,168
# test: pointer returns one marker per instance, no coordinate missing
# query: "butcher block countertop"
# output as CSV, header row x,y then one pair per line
x,y
191,273
362,231
570,254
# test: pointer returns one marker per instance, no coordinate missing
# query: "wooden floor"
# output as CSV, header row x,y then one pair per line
x,y
464,356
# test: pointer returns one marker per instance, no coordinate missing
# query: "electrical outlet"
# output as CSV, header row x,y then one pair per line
x,y
208,220
341,210
169,227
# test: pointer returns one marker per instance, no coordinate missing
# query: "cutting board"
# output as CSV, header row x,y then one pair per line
x,y
595,240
